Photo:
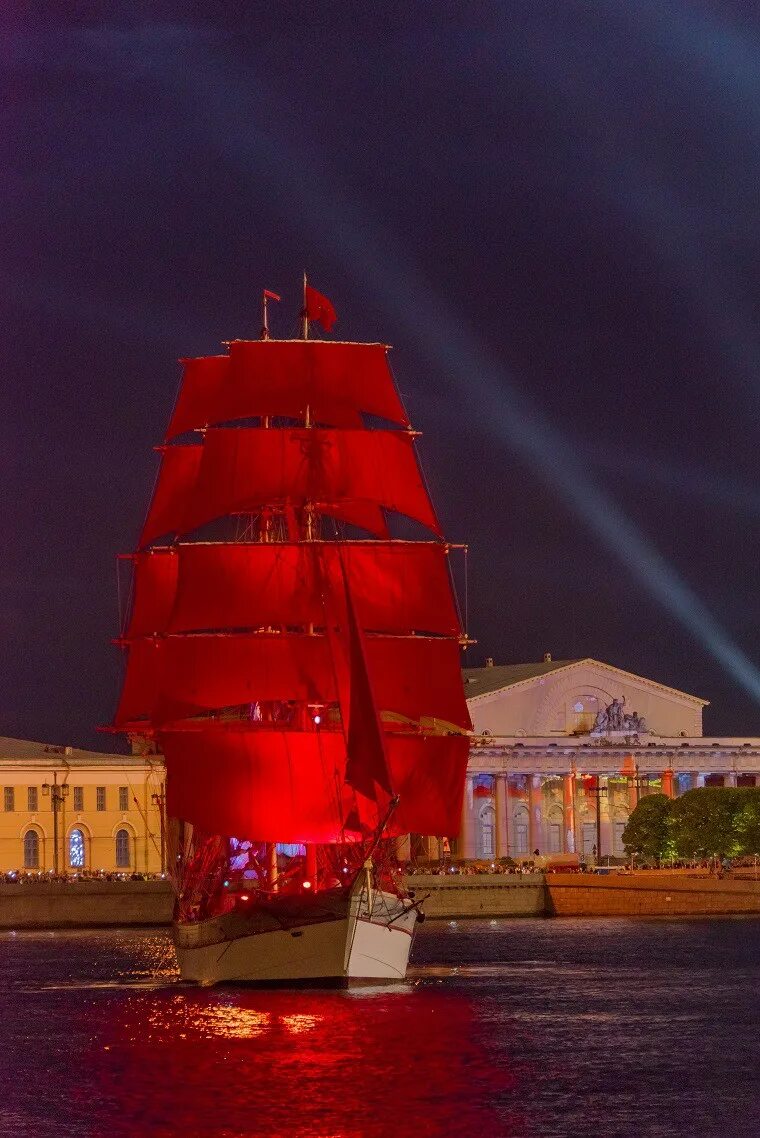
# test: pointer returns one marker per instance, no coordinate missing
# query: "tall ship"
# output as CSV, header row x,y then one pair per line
x,y
293,650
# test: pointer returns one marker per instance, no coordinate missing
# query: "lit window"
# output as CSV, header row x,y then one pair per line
x,y
9,799
76,849
32,798
100,798
31,850
79,798
123,798
122,849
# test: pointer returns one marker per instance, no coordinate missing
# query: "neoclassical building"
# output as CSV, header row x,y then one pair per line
x,y
551,770
68,810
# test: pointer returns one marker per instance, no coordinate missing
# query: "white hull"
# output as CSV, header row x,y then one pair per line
x,y
354,943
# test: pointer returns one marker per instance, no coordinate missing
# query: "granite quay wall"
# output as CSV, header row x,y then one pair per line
x,y
93,904
648,894
482,895
85,904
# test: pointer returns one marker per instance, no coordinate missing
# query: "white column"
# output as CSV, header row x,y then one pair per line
x,y
535,813
502,807
467,831
568,811
730,778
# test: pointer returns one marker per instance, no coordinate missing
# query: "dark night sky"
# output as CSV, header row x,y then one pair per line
x,y
550,209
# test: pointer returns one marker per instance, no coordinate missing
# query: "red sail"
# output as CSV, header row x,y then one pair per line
x,y
244,469
267,786
154,592
428,773
396,587
203,395
182,676
176,491
285,786
336,382
418,677
176,477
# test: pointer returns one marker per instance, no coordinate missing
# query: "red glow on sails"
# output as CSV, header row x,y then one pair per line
x,y
396,587
271,786
183,676
296,685
428,773
336,382
176,478
268,786
155,591
347,474
244,469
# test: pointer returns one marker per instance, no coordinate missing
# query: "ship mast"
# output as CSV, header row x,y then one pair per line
x,y
282,674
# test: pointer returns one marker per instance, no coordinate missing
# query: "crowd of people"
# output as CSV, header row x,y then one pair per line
x,y
473,868
45,877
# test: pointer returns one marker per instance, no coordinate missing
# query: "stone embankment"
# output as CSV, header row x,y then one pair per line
x,y
94,904
85,904
649,894
480,895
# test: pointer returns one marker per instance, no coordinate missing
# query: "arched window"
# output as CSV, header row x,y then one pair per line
x,y
76,849
487,843
31,850
585,711
123,860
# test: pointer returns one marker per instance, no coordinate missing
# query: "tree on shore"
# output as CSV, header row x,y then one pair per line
x,y
646,833
703,822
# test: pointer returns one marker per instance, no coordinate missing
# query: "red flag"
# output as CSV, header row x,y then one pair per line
x,y
271,295
319,308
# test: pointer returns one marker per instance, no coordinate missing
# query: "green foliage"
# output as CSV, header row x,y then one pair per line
x,y
703,822
646,833
711,820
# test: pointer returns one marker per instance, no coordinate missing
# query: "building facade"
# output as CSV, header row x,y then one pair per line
x,y
70,811
563,751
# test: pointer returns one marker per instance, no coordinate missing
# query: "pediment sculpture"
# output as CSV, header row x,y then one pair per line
x,y
615,719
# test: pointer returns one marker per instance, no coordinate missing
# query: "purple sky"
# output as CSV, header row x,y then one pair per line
x,y
551,211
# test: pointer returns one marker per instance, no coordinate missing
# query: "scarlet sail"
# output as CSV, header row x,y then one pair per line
x,y
294,678
349,474
414,677
334,383
396,586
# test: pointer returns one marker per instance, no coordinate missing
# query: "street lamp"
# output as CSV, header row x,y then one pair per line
x,y
159,801
599,792
638,782
58,792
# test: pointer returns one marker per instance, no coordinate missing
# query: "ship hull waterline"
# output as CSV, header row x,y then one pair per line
x,y
362,945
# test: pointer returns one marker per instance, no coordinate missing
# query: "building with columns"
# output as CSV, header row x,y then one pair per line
x,y
563,750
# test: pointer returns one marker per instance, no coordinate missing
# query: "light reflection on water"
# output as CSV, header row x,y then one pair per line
x,y
514,1028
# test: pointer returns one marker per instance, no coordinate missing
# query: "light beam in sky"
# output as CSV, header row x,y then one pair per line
x,y
227,114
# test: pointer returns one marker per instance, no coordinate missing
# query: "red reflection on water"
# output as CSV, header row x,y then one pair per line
x,y
311,1064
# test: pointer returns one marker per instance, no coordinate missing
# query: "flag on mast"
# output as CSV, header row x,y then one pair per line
x,y
266,295
318,307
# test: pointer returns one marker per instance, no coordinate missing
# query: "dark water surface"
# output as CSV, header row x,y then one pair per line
x,y
523,1027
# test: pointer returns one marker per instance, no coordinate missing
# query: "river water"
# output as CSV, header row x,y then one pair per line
x,y
521,1027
